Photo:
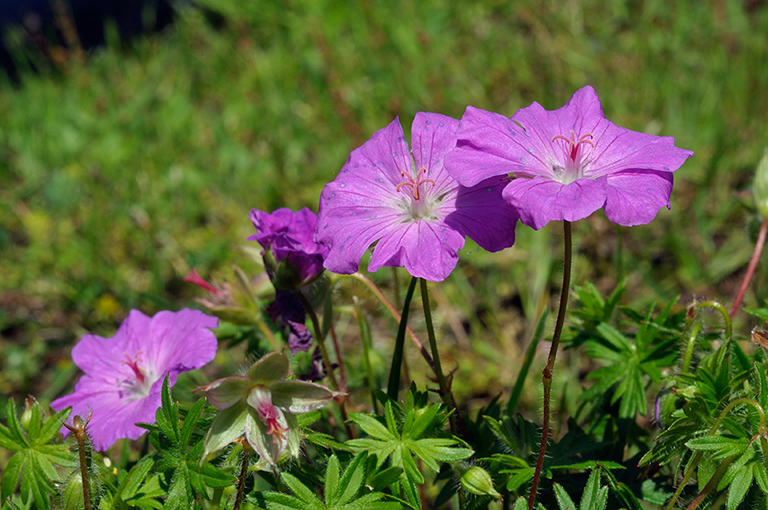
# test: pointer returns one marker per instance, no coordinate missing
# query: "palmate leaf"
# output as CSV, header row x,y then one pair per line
x,y
180,443
342,492
32,467
401,444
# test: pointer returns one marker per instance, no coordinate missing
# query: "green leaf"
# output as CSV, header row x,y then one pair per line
x,y
738,488
302,491
594,497
332,474
372,426
136,477
353,479
11,476
190,421
721,446
276,501
564,501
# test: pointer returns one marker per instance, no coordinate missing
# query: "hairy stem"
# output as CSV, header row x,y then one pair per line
x,y
752,266
397,357
365,337
546,375
241,481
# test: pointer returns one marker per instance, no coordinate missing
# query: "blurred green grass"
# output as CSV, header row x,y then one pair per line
x,y
122,173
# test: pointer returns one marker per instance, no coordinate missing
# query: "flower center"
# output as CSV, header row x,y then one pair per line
x,y
419,206
139,385
574,164
268,414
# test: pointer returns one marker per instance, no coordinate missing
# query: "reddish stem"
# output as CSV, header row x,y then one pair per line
x,y
752,266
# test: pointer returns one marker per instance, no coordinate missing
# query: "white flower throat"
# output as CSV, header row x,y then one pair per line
x,y
419,204
575,157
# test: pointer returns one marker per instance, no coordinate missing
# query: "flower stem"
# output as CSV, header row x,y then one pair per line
x,y
445,391
365,337
397,358
78,429
241,481
393,312
752,266
326,360
320,339
546,375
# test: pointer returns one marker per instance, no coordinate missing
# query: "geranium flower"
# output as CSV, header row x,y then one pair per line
x,y
419,215
124,374
291,256
261,405
567,163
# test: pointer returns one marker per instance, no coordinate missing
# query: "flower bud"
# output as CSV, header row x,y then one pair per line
x,y
72,493
26,416
477,481
760,186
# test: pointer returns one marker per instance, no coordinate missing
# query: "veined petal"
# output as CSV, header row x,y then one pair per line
x,y
433,136
113,417
180,341
634,198
228,426
226,392
300,397
540,200
425,248
481,213
270,367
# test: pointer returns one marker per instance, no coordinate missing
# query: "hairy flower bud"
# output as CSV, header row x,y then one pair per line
x,y
477,481
760,187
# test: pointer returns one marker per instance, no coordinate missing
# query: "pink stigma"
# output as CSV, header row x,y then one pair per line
x,y
194,277
573,143
134,365
414,184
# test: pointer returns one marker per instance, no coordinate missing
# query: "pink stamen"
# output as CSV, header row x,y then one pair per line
x,y
269,417
414,184
573,144
133,364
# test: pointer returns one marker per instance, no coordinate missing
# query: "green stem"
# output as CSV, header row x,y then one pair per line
x,y
723,311
319,338
445,392
397,357
393,312
365,337
546,374
689,345
527,361
711,484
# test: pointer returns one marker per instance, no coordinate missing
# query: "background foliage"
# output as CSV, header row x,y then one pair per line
x,y
122,172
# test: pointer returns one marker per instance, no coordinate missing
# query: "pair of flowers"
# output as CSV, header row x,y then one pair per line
x,y
478,176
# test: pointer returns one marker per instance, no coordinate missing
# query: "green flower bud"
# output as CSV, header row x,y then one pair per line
x,y
72,493
760,186
477,481
26,416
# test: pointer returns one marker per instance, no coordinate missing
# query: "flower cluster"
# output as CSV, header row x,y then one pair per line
x,y
476,177
123,375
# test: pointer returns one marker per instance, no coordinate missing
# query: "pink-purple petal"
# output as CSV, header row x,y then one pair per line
x,y
180,341
426,249
634,198
433,136
540,200
481,213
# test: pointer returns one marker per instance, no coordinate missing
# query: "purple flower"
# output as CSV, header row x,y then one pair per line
x,y
567,163
419,215
287,236
124,374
